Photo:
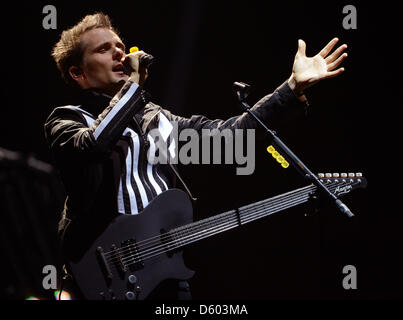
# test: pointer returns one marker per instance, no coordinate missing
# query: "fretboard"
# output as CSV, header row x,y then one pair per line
x,y
201,229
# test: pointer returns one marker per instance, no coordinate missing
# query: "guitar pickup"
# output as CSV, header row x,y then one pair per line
x,y
132,254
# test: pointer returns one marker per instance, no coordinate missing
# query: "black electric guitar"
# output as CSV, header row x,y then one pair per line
x,y
135,253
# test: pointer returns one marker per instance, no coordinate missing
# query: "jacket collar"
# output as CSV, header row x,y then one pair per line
x,y
94,102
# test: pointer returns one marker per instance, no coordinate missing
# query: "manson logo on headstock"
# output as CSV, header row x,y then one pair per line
x,y
343,189
343,182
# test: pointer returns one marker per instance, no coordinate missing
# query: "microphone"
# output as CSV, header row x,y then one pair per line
x,y
241,89
241,86
145,60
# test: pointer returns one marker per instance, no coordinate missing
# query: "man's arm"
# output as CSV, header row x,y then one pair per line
x,y
66,131
273,106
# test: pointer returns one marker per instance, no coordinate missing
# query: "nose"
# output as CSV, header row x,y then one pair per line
x,y
118,54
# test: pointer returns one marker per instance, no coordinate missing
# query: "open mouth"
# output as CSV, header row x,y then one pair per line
x,y
118,68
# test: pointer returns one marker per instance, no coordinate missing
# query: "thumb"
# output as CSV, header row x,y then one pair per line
x,y
301,47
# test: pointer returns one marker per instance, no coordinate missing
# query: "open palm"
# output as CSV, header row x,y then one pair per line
x,y
307,71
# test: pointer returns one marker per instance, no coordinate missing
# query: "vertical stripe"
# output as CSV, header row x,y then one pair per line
x,y
136,151
121,204
150,165
164,185
133,184
129,166
123,196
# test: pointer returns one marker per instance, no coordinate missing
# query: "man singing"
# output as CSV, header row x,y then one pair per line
x,y
100,146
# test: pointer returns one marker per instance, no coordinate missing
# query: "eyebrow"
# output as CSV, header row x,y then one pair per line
x,y
119,44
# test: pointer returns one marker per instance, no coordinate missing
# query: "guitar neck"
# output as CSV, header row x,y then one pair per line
x,y
234,218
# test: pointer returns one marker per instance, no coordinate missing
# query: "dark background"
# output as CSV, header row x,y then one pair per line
x,y
201,48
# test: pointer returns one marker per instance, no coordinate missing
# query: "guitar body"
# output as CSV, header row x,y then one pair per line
x,y
99,273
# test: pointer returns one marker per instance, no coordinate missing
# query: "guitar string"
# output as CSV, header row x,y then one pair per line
x,y
159,250
205,226
233,221
215,219
247,217
162,250
133,259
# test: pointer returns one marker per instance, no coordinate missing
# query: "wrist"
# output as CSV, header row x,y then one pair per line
x,y
134,77
293,84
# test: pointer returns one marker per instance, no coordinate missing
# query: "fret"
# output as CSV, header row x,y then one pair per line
x,y
206,227
275,204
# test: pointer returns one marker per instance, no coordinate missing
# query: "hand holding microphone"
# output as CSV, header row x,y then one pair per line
x,y
145,60
136,65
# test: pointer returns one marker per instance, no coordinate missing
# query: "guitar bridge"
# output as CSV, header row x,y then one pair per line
x,y
118,261
104,264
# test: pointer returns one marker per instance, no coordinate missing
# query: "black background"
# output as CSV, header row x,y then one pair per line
x,y
201,48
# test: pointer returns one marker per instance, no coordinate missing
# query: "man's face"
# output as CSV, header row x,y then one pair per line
x,y
101,68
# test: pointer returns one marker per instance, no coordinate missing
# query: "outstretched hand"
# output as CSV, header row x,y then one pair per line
x,y
307,71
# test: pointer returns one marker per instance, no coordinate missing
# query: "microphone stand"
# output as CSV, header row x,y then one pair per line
x,y
242,90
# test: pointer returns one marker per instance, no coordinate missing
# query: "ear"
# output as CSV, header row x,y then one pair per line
x,y
76,73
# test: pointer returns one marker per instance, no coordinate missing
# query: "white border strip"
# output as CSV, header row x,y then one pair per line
x,y
122,102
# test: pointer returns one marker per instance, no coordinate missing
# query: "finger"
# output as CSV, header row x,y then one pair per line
x,y
336,53
325,51
334,73
137,53
133,57
134,54
336,63
302,47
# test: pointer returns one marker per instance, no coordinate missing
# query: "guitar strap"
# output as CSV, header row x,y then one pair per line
x,y
63,223
182,181
62,227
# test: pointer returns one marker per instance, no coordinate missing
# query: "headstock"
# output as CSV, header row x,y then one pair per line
x,y
342,183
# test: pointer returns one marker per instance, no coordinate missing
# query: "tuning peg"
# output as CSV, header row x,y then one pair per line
x,y
321,175
351,175
343,175
328,175
336,175
358,175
